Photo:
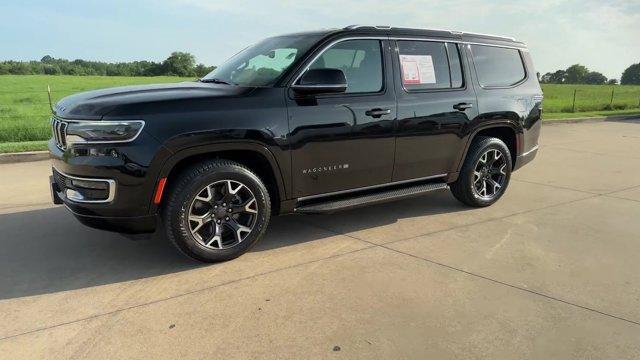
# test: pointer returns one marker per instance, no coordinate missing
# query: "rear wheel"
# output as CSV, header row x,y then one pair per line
x,y
216,211
485,173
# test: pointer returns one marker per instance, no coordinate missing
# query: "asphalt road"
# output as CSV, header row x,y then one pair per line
x,y
550,272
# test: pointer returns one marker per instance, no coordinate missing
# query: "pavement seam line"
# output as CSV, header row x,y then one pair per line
x,y
455,227
621,198
493,219
549,297
449,267
559,187
592,152
157,301
533,292
594,195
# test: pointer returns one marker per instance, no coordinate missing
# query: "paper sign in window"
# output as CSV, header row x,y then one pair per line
x,y
417,69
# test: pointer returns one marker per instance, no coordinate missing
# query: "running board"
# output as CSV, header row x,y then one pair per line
x,y
369,199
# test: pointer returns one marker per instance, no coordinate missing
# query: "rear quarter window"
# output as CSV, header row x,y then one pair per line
x,y
498,67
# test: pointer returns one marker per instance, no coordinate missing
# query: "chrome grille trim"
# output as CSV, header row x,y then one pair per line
x,y
61,179
59,130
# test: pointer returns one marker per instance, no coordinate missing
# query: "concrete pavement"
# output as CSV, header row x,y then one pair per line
x,y
550,271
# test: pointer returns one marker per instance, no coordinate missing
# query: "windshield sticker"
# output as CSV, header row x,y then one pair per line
x,y
417,69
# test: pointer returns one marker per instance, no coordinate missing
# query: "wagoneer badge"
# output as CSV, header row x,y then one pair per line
x,y
325,168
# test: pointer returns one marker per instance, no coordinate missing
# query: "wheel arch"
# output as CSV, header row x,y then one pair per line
x,y
252,155
506,131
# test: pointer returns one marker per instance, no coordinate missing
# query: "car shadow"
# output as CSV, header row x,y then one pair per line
x,y
46,251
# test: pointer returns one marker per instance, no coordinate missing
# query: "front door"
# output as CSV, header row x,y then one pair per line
x,y
435,102
345,141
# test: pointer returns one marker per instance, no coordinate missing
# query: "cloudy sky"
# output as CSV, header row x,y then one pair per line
x,y
604,35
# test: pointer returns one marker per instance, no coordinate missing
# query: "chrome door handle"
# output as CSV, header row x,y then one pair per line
x,y
462,106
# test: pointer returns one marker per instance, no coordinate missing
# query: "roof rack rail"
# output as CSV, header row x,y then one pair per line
x,y
489,35
453,32
358,26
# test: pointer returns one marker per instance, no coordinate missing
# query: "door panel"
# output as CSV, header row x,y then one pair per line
x,y
429,131
337,142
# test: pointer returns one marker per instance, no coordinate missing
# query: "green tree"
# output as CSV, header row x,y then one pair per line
x,y
612,82
180,64
558,77
576,74
202,70
546,78
49,69
631,76
47,59
595,78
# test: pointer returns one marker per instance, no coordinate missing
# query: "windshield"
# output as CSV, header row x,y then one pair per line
x,y
263,63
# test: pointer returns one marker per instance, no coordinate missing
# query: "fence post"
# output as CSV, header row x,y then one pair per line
x,y
573,107
612,91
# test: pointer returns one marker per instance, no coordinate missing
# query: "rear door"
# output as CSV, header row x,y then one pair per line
x,y
345,141
435,103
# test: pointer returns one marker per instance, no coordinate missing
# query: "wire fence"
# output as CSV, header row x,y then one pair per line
x,y
581,98
25,114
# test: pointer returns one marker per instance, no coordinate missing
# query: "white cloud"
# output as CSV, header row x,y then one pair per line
x,y
603,35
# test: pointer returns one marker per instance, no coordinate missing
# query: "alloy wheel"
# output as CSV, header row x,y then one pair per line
x,y
223,214
489,174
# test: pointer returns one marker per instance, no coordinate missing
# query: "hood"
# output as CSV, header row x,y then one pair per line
x,y
93,105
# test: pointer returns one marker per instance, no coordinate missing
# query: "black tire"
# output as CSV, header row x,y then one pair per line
x,y
465,187
195,181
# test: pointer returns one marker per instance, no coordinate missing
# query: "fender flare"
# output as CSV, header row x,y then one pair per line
x,y
179,155
498,124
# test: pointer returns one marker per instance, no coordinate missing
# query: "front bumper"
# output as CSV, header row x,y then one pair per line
x,y
121,224
525,158
128,173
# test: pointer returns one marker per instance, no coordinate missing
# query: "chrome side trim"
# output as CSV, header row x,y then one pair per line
x,y
535,148
319,86
78,199
310,197
454,41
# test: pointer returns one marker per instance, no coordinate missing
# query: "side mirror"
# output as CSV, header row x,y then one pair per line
x,y
321,81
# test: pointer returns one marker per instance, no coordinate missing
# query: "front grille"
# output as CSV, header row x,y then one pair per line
x,y
59,130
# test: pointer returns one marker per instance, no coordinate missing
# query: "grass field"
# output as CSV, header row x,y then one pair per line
x,y
24,104
559,98
25,114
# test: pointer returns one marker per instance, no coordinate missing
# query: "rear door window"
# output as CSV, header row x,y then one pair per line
x,y
497,67
428,65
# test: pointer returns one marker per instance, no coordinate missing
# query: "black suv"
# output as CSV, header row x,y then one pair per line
x,y
310,122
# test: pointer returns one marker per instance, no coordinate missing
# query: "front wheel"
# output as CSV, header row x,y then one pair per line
x,y
216,211
485,173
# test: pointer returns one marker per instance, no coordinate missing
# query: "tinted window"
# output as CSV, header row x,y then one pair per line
x,y
263,63
361,62
454,65
428,65
497,66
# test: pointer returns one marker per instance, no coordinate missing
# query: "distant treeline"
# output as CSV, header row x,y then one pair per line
x,y
177,64
580,74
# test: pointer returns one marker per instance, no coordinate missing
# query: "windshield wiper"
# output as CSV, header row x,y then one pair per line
x,y
215,81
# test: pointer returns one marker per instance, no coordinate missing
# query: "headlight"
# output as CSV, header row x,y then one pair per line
x,y
91,132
